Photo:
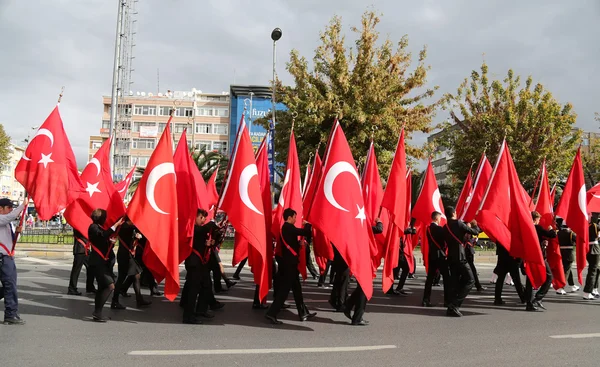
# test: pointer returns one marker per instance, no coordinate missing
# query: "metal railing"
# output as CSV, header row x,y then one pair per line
x,y
48,235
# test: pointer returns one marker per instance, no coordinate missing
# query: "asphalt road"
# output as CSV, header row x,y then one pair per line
x,y
59,331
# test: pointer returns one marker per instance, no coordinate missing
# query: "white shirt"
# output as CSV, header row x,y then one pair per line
x,y
6,230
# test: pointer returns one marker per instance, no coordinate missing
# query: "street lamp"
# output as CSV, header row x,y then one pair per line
x,y
275,36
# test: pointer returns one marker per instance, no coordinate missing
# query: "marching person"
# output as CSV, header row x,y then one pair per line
x,y
402,264
470,251
102,243
81,255
462,277
358,299
8,270
288,272
507,265
129,269
535,302
437,260
590,290
566,241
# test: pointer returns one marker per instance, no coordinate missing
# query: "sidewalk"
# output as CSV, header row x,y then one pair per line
x,y
65,252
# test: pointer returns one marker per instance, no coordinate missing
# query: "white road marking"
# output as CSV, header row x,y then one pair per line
x,y
257,351
40,261
576,336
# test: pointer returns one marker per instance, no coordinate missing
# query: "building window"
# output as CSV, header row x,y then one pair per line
x,y
205,111
188,111
145,110
136,125
220,146
122,161
178,128
141,161
161,127
96,144
144,143
125,109
586,142
203,145
220,129
165,110
123,144
105,124
203,129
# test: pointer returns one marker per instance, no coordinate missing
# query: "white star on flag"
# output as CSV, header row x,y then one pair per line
x,y
92,188
46,159
361,214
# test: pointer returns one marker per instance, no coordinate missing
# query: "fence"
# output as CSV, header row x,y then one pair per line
x,y
47,235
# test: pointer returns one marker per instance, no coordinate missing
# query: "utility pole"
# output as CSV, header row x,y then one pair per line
x,y
115,84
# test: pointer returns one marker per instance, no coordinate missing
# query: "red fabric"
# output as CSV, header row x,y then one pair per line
x,y
123,186
242,201
593,199
465,193
572,208
101,194
395,201
544,206
372,195
312,185
48,170
484,171
200,188
290,197
212,195
506,218
153,210
341,212
187,199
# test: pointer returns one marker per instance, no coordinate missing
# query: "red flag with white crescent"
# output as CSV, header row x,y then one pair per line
x,y
123,186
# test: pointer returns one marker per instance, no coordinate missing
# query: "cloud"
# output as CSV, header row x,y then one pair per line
x,y
210,44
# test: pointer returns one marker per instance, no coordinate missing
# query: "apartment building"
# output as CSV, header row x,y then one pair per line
x,y
11,188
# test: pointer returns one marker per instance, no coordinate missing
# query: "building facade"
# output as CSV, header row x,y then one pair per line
x,y
11,188
143,117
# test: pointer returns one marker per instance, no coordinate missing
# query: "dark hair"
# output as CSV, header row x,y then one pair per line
x,y
435,215
99,216
289,212
450,211
202,212
535,215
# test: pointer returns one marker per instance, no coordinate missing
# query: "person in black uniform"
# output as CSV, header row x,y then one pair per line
x,y
309,263
534,303
507,265
339,291
438,263
102,242
470,244
146,278
590,290
288,269
402,264
81,248
566,241
129,269
358,299
462,277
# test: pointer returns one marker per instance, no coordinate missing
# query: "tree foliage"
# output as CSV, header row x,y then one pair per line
x,y
591,158
369,85
535,124
4,146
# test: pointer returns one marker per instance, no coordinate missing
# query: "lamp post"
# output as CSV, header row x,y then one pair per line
x,y
275,36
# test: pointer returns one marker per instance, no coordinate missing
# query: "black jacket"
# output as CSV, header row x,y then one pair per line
x,y
594,247
100,239
126,239
454,234
289,234
437,242
378,228
201,234
544,234
78,247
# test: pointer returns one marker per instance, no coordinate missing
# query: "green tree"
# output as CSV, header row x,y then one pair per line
x,y
4,146
373,85
535,124
591,158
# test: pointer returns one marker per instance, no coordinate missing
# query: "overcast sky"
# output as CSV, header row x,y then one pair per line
x,y
209,44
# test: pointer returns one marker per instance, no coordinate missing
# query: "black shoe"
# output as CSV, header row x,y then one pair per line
x,y
499,302
273,320
426,304
217,306
307,316
231,284
117,306
259,306
14,321
531,307
348,312
236,277
91,291
286,305
73,293
538,303
142,303
453,312
99,318
481,289
125,294
412,276
155,292
192,321
392,292
360,323
206,314
401,292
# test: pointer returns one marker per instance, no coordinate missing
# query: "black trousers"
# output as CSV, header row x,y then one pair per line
x,y
239,268
358,302
197,293
471,261
288,276
339,292
508,266
541,293
462,282
323,277
309,264
437,266
567,262
402,265
79,261
591,280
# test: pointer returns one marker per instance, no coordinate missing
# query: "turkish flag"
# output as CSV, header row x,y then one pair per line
x,y
339,211
505,217
484,172
100,194
187,199
572,208
242,201
544,206
593,199
311,188
123,186
373,195
153,210
212,195
200,187
48,170
465,194
290,197
429,200
395,201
